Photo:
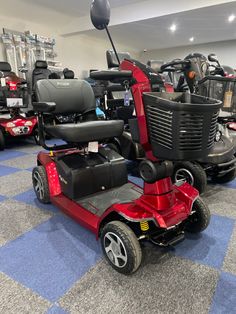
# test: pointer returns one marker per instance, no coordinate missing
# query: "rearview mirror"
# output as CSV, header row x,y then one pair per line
x,y
100,13
213,58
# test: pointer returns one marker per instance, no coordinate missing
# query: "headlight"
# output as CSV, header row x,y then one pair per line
x,y
218,136
10,125
28,123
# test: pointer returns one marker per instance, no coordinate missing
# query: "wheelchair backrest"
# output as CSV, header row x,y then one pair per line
x,y
70,96
40,72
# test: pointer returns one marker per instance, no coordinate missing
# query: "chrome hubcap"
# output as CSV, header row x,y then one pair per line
x,y
115,249
184,175
38,185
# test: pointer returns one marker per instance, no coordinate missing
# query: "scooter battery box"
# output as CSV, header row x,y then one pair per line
x,y
83,175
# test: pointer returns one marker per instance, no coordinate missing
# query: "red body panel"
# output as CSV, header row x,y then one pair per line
x,y
166,210
19,121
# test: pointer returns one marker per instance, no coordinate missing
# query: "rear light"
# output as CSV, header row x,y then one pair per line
x,y
28,123
10,125
12,86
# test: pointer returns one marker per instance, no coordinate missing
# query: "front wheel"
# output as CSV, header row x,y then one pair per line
x,y
121,247
192,173
200,218
2,140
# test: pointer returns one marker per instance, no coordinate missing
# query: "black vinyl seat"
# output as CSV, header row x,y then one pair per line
x,y
74,97
87,131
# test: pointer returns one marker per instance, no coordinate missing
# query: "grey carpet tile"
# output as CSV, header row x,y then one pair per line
x,y
218,193
16,299
230,258
25,162
168,284
15,183
17,218
30,149
223,208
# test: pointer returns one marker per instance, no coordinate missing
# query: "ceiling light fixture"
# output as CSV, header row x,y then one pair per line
x,y
191,39
173,28
231,18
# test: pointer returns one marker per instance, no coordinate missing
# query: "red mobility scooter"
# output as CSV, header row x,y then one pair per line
x,y
14,98
89,181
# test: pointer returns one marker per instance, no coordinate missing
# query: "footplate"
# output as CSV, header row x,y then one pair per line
x,y
169,238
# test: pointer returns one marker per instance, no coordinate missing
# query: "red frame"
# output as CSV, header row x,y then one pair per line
x,y
164,203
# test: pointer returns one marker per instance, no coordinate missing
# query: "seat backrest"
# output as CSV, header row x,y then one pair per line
x,y
54,76
70,96
68,74
5,66
155,64
112,60
40,72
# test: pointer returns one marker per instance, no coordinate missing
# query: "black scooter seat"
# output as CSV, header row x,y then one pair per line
x,y
86,131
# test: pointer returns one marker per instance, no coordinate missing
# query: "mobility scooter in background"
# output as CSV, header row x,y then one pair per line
x,y
220,83
220,164
88,180
14,100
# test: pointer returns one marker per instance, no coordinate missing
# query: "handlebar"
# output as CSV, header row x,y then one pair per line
x,y
170,66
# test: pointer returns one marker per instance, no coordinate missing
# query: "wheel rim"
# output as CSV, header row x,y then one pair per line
x,y
115,250
38,185
184,175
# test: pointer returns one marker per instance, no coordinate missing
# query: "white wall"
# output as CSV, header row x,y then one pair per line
x,y
225,50
21,26
82,53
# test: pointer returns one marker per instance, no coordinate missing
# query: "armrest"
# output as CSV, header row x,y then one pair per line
x,y
44,106
110,75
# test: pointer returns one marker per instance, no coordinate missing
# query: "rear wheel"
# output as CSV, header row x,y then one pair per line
x,y
226,178
121,247
2,140
192,173
200,218
40,184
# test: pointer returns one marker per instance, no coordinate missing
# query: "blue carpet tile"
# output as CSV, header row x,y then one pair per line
x,y
224,300
210,247
51,257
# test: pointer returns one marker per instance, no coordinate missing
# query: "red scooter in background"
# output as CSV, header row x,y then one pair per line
x,y
15,120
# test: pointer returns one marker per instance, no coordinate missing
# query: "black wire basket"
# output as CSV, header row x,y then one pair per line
x,y
221,88
181,126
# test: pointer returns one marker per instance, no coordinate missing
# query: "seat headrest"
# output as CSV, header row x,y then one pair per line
x,y
5,66
54,76
111,58
70,96
155,64
69,74
41,64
